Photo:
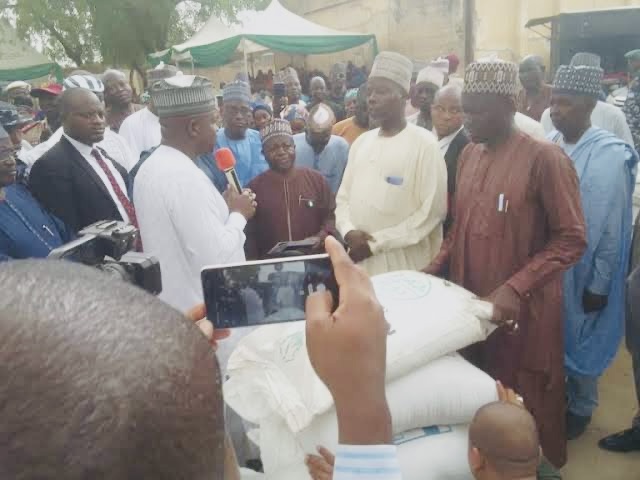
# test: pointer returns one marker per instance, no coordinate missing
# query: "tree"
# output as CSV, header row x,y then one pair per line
x,y
118,32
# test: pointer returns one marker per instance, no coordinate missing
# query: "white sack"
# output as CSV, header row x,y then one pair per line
x,y
433,453
447,391
270,373
438,453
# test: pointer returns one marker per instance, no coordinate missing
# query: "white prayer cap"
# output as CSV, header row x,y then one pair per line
x,y
18,85
321,118
394,67
431,75
441,64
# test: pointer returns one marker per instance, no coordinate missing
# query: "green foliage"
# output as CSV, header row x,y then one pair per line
x,y
118,32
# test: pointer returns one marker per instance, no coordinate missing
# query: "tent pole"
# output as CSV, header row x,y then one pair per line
x,y
244,51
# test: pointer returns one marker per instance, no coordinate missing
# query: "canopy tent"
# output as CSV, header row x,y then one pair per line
x,y
274,28
19,61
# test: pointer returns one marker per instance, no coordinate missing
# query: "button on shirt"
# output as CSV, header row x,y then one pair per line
x,y
85,151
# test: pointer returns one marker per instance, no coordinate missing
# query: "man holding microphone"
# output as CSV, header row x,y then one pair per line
x,y
183,220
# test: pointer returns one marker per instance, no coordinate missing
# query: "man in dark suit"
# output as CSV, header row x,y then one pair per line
x,y
75,180
448,123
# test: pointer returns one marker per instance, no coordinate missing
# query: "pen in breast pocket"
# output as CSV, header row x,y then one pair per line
x,y
501,202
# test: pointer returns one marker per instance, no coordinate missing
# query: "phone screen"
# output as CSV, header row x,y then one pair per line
x,y
260,293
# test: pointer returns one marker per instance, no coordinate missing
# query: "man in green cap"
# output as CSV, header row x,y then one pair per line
x,y
632,105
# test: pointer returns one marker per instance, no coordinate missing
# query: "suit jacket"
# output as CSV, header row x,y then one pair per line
x,y
68,187
451,158
458,144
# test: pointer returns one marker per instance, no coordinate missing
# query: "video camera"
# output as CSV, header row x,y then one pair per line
x,y
108,245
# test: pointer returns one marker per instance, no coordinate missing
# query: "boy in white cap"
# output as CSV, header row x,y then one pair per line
x,y
393,197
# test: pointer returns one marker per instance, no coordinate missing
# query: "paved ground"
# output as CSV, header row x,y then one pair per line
x,y
617,407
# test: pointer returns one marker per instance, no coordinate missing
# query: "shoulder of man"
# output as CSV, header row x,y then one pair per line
x,y
338,141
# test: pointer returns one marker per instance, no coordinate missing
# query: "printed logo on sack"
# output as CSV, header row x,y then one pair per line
x,y
402,286
291,345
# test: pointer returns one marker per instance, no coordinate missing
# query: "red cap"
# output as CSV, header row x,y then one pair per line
x,y
225,159
51,89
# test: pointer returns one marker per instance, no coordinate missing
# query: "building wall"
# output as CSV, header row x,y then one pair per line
x,y
425,29
504,33
420,29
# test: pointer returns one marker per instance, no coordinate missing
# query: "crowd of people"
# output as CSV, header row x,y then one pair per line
x,y
518,190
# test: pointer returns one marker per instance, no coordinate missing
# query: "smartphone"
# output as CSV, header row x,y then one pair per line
x,y
266,291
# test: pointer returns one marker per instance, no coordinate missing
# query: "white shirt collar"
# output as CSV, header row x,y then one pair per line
x,y
84,149
445,142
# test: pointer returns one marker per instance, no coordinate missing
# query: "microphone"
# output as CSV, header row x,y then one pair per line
x,y
226,162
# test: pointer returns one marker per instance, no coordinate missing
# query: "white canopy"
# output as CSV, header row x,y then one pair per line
x,y
274,28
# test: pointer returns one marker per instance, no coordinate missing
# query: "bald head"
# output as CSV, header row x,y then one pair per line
x,y
532,73
106,381
83,117
505,439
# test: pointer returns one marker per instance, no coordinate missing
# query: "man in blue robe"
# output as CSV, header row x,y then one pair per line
x,y
594,288
319,150
236,135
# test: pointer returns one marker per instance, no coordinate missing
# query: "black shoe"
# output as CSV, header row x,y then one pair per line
x,y
576,425
623,442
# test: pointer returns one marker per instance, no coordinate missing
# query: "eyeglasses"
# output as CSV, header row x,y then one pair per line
x,y
450,111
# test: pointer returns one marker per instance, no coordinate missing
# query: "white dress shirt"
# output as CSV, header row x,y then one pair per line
x,y
113,144
530,126
185,223
445,142
141,130
85,151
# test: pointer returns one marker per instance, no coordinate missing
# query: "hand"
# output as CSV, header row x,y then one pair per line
x,y
321,466
593,303
241,203
198,315
432,269
357,238
348,349
506,307
360,253
507,395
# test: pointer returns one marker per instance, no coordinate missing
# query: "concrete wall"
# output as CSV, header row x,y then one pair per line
x,y
424,29
420,29
500,24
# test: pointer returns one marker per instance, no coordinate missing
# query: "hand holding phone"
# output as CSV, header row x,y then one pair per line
x,y
266,291
348,350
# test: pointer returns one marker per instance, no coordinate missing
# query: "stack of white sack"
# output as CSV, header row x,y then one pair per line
x,y
271,382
